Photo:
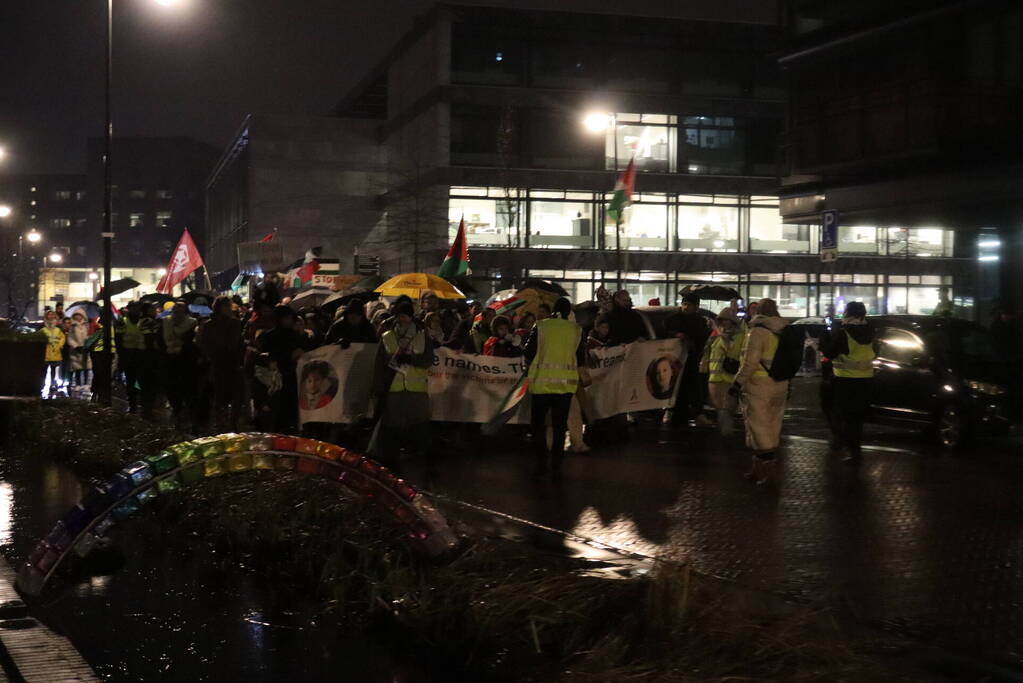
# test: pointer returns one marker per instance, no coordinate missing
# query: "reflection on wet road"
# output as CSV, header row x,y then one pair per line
x,y
927,542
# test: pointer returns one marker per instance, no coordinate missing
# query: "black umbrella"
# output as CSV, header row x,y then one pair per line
x,y
120,286
332,303
91,309
544,286
310,297
464,284
711,292
156,298
198,297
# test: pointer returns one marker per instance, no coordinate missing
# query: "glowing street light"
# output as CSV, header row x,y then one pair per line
x,y
3,153
5,211
34,236
161,272
93,275
56,257
597,122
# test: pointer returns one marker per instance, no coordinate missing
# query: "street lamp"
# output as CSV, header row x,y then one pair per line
x,y
105,382
34,236
56,257
597,122
5,211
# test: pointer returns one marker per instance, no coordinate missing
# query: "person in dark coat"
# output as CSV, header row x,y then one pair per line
x,y
692,328
351,328
852,349
284,345
627,325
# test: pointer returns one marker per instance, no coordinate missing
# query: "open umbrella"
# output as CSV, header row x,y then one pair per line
x,y
156,298
310,297
711,292
367,284
523,301
91,309
198,296
502,295
332,303
120,286
552,288
414,284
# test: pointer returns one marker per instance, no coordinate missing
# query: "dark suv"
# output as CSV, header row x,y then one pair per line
x,y
941,372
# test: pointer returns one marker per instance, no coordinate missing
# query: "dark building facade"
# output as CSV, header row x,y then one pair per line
x,y
158,190
904,116
57,206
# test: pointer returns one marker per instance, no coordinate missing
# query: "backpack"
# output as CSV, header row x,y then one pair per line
x,y
788,359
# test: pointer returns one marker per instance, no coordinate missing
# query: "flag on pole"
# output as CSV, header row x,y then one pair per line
x,y
623,192
184,261
457,261
509,405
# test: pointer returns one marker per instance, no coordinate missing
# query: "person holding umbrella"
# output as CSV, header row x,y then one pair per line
x,y
406,416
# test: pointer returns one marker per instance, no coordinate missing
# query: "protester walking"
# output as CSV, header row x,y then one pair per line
x,y
762,397
283,345
221,339
721,363
627,325
852,349
177,339
54,350
691,328
81,364
406,416
135,333
554,353
351,328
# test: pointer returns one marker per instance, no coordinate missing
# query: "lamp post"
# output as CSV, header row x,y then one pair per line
x,y
105,386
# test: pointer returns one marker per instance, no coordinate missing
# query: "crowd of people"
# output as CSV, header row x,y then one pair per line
x,y
237,366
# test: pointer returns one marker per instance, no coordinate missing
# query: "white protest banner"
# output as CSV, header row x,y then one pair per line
x,y
335,384
633,377
466,387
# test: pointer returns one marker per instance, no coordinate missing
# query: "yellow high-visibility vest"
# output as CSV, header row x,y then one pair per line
x,y
858,363
555,370
720,349
410,377
768,356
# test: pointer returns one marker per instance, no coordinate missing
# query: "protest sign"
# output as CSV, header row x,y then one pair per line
x,y
633,377
335,384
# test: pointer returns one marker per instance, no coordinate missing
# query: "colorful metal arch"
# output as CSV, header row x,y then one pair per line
x,y
180,465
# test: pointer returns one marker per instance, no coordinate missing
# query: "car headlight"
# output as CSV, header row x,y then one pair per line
x,y
986,388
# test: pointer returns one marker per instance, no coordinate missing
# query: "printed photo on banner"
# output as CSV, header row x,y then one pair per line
x,y
662,375
335,384
318,385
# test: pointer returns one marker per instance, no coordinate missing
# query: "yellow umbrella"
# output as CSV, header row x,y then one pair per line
x,y
414,284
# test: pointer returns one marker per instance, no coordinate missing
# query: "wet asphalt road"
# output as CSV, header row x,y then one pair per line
x,y
925,542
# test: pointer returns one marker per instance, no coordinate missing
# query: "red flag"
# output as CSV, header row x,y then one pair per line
x,y
268,238
184,261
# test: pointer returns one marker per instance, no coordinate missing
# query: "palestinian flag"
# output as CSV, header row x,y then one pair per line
x,y
509,406
623,192
457,261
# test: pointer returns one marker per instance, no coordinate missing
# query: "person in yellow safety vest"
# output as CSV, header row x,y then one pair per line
x,y
762,398
406,416
55,339
135,335
720,363
851,349
554,352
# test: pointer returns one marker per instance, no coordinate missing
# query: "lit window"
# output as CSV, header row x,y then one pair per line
x,y
647,138
80,195
61,222
165,194
708,228
33,189
32,203
163,218
62,194
488,222
136,220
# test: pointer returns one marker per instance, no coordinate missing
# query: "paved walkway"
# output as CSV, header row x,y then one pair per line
x,y
925,542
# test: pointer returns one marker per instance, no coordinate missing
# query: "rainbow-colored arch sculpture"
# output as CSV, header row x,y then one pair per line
x,y
180,465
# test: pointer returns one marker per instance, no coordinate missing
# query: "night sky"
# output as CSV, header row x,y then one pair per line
x,y
196,68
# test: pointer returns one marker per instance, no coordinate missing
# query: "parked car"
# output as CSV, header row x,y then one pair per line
x,y
937,372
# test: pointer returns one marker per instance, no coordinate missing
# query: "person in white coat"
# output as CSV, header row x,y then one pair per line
x,y
762,398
